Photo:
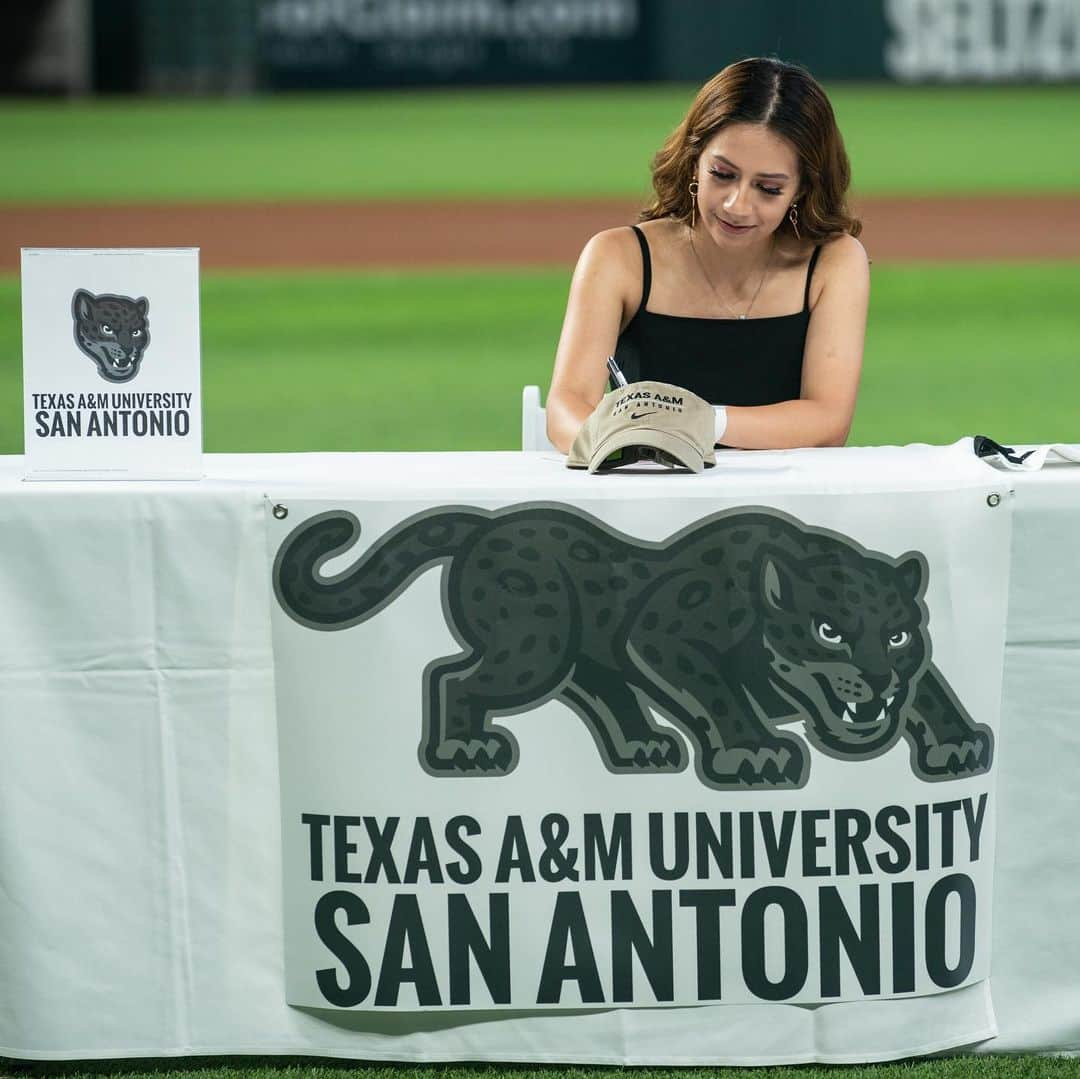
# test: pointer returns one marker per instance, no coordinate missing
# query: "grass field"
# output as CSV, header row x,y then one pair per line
x,y
341,362
962,1067
539,143
952,350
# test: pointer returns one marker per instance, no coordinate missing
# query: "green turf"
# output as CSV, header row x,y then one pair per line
x,y
379,361
487,144
972,350
969,1067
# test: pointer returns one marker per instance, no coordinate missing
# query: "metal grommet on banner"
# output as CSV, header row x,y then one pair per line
x,y
993,500
280,512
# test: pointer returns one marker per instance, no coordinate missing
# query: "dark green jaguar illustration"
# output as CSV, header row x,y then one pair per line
x,y
741,622
113,331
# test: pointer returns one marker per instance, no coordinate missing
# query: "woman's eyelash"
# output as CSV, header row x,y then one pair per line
x,y
731,176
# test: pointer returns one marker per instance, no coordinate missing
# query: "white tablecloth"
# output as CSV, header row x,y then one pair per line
x,y
139,836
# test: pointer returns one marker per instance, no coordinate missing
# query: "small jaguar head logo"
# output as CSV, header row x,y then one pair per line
x,y
113,331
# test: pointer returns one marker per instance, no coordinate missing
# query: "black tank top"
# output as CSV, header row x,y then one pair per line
x,y
727,361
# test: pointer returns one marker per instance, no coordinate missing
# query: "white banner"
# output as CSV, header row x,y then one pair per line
x,y
544,756
111,369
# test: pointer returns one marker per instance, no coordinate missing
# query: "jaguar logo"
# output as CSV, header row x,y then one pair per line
x,y
740,623
113,331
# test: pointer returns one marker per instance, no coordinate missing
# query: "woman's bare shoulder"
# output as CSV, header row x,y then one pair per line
x,y
612,258
618,243
842,271
663,231
844,255
840,250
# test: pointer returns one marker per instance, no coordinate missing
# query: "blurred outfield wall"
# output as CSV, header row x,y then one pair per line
x,y
237,46
376,42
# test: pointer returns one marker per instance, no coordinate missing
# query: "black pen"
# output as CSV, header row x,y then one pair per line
x,y
616,374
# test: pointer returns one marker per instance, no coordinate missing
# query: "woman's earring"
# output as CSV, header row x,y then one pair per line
x,y
793,217
693,203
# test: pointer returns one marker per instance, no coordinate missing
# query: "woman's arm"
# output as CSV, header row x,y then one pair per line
x,y
601,295
831,362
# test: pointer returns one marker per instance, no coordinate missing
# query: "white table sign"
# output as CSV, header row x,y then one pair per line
x,y
111,378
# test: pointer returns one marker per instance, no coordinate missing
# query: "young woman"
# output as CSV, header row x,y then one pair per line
x,y
744,281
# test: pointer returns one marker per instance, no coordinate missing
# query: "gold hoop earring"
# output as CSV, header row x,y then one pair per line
x,y
793,217
693,203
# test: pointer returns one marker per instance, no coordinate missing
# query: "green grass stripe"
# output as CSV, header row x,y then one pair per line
x,y
424,361
523,143
961,1067
954,350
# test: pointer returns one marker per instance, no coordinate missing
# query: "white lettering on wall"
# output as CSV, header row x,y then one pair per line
x,y
982,40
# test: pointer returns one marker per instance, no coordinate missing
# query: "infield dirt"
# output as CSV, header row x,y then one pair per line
x,y
506,233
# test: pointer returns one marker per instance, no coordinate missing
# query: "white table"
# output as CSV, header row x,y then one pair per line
x,y
139,833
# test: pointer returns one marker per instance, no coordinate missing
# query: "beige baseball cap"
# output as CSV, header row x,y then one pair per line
x,y
646,421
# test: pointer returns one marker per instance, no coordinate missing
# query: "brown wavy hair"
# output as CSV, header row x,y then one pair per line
x,y
787,100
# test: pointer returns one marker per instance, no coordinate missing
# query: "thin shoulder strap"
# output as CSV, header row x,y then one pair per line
x,y
809,275
646,267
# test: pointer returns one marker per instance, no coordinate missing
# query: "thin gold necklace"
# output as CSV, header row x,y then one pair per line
x,y
705,273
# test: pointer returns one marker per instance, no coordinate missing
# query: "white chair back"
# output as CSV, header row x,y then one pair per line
x,y
533,421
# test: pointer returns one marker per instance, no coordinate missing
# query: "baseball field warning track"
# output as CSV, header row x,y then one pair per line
x,y
506,233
